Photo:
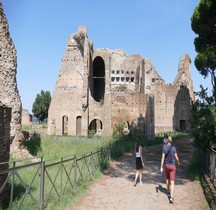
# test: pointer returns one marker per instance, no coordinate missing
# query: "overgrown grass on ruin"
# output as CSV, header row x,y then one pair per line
x,y
55,147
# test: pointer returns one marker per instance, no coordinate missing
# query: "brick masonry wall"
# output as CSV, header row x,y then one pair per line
x,y
5,119
134,92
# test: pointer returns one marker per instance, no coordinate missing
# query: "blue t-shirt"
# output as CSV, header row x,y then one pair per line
x,y
170,158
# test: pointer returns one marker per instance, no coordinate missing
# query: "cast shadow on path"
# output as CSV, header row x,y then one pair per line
x,y
125,166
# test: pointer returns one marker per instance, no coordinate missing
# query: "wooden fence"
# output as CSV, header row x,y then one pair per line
x,y
52,180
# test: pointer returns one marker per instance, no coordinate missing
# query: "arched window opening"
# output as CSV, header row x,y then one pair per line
x,y
98,87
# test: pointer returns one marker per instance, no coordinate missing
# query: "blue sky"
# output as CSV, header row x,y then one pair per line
x,y
155,29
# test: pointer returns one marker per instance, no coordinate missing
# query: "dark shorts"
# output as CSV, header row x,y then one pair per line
x,y
139,163
170,172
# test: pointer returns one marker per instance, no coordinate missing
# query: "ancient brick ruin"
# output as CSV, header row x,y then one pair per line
x,y
26,118
96,89
10,103
5,119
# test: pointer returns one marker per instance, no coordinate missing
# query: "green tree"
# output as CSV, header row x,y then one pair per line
x,y
204,121
203,23
41,105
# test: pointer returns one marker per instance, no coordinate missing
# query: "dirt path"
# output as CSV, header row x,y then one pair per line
x,y
115,190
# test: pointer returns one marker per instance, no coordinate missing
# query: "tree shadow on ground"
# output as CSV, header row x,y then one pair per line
x,y
125,166
33,144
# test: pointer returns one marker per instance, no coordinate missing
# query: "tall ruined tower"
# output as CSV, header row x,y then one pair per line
x,y
10,104
70,98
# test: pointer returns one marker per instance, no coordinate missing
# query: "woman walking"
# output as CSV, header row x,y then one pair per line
x,y
139,162
168,160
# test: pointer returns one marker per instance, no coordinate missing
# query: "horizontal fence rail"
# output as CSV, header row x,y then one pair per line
x,y
51,181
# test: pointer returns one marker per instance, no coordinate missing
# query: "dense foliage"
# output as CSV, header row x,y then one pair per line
x,y
41,105
204,121
203,23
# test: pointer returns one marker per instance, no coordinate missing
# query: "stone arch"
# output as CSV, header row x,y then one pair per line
x,y
98,79
96,125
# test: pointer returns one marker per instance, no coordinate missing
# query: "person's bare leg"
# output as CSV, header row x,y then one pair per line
x,y
136,176
140,172
172,184
168,185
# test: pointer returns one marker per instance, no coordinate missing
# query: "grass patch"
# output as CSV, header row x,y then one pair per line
x,y
70,198
61,146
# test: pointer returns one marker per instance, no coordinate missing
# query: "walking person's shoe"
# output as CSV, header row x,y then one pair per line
x,y
135,183
171,200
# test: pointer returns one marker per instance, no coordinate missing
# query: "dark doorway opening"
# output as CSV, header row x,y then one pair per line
x,y
95,125
182,125
65,125
79,126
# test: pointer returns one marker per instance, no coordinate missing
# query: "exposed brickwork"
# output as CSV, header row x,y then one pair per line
x,y
98,88
5,119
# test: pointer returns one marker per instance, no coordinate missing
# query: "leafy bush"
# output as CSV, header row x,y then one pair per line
x,y
204,121
119,129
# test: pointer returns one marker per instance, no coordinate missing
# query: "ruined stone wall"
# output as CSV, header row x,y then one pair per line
x,y
183,77
130,108
165,96
9,94
134,93
151,77
126,71
70,95
5,119
173,101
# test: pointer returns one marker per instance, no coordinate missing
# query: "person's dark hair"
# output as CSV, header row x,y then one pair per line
x,y
137,145
165,136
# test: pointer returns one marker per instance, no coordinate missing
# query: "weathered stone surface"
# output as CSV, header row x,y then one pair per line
x,y
9,94
10,104
96,89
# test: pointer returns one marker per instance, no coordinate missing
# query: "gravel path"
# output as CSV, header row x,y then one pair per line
x,y
115,190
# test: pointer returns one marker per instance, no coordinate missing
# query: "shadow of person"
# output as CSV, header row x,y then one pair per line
x,y
159,188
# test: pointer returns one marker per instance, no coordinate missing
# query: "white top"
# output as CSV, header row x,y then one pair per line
x,y
138,153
